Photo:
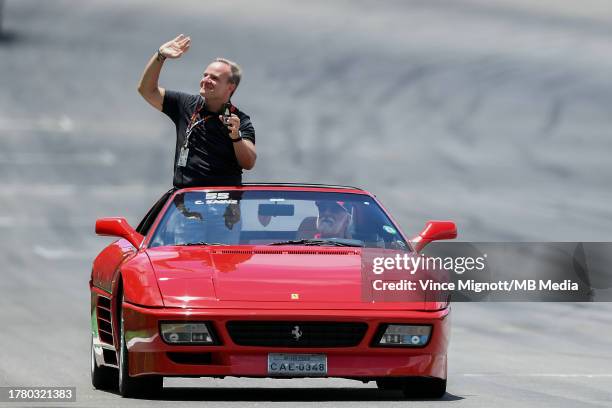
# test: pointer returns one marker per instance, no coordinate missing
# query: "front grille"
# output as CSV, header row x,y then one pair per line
x,y
296,334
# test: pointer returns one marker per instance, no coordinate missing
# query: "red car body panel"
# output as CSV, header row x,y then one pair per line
x,y
196,276
106,263
148,350
246,282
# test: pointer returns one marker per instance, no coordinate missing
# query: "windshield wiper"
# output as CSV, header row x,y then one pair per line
x,y
322,242
200,243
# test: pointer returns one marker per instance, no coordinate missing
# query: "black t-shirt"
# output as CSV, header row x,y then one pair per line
x,y
211,160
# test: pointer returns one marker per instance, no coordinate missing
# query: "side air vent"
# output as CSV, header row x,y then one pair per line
x,y
105,327
110,357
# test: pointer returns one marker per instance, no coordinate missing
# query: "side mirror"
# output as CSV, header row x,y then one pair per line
x,y
118,227
434,231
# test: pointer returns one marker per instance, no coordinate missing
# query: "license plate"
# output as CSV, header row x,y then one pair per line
x,y
299,365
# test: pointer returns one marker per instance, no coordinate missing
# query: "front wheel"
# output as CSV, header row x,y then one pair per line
x,y
138,387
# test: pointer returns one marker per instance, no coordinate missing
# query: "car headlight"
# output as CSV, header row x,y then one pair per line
x,y
187,333
405,335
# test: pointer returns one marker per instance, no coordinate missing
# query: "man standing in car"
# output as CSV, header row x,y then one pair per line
x,y
214,140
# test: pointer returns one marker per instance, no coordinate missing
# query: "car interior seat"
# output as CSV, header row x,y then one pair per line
x,y
307,228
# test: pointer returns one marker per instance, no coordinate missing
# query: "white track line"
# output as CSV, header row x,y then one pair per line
x,y
55,254
63,124
103,158
97,190
554,375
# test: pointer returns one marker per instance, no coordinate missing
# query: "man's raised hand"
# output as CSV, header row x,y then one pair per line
x,y
175,48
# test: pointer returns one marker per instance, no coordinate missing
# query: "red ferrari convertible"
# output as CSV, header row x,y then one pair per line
x,y
260,280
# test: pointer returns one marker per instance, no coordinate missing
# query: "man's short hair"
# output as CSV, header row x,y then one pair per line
x,y
236,71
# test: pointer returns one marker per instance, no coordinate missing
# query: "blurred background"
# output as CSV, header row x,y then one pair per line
x,y
493,113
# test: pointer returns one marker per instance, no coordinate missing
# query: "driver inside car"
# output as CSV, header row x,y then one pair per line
x,y
333,220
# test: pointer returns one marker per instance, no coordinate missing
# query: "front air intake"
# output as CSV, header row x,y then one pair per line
x,y
190,358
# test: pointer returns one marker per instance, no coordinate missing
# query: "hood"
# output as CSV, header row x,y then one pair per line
x,y
283,277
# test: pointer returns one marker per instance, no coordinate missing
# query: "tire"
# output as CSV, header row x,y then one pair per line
x,y
102,377
134,387
424,387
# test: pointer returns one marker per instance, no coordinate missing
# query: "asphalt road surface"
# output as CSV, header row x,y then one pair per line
x,y
496,114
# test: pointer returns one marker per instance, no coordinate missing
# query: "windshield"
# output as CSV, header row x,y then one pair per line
x,y
276,218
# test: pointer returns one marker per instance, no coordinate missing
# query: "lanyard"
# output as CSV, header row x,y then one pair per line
x,y
195,120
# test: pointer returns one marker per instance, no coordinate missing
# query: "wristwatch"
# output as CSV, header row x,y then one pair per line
x,y
239,138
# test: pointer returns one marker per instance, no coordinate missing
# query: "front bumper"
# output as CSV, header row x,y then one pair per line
x,y
149,354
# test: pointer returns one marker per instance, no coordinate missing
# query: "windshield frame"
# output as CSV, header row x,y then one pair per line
x,y
167,206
